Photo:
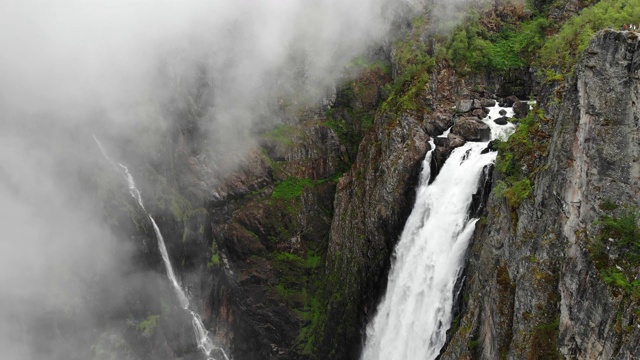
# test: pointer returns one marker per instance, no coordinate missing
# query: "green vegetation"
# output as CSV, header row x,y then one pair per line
x,y
488,42
496,45
298,286
291,188
618,236
356,101
215,256
608,205
544,341
147,326
563,51
519,159
283,133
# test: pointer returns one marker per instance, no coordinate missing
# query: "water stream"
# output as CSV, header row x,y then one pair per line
x,y
412,320
205,344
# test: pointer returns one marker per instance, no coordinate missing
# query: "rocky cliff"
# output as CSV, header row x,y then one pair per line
x,y
286,255
555,276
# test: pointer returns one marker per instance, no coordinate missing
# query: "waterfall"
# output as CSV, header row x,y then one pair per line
x,y
205,344
412,320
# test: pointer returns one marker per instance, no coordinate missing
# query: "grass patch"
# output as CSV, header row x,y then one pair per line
x,y
291,188
283,133
214,261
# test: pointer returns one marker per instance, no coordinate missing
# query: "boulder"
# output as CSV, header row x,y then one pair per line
x,y
503,112
464,106
477,104
501,120
471,129
479,113
437,124
521,109
488,103
510,100
455,141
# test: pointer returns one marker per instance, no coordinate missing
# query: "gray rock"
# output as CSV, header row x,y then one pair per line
x,y
503,112
479,113
530,268
455,140
437,124
441,141
521,109
471,129
510,100
377,190
464,106
488,102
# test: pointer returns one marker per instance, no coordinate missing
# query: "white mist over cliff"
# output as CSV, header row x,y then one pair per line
x,y
71,67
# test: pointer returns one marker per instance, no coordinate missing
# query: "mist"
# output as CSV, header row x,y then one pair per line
x,y
123,69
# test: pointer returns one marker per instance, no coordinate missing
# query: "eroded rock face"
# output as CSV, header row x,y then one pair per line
x,y
533,288
372,203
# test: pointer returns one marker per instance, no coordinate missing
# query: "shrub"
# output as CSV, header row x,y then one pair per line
x,y
564,50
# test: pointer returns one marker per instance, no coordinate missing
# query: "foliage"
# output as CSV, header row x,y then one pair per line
x,y
298,286
563,51
469,48
517,193
608,205
353,111
621,234
519,159
544,341
147,326
473,48
624,229
215,256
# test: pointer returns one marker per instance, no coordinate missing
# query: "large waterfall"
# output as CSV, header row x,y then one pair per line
x,y
416,312
205,344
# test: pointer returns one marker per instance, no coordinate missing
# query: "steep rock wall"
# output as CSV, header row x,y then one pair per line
x,y
532,287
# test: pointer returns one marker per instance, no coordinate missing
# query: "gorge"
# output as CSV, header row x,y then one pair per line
x,y
331,181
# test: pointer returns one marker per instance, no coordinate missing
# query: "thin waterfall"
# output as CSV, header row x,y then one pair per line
x,y
412,320
205,344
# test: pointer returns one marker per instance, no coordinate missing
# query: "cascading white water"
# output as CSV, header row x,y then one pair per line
x,y
135,193
205,344
415,314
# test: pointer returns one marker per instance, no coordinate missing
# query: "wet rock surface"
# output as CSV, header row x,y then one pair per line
x,y
533,288
371,204
471,129
521,109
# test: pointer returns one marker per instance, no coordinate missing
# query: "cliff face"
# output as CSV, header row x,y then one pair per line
x,y
539,277
287,255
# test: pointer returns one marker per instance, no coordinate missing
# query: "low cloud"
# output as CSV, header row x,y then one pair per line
x,y
127,68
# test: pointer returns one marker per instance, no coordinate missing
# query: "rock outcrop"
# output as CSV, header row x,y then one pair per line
x,y
535,285
371,205
471,129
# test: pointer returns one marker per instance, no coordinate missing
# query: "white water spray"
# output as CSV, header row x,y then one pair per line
x,y
205,344
415,314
